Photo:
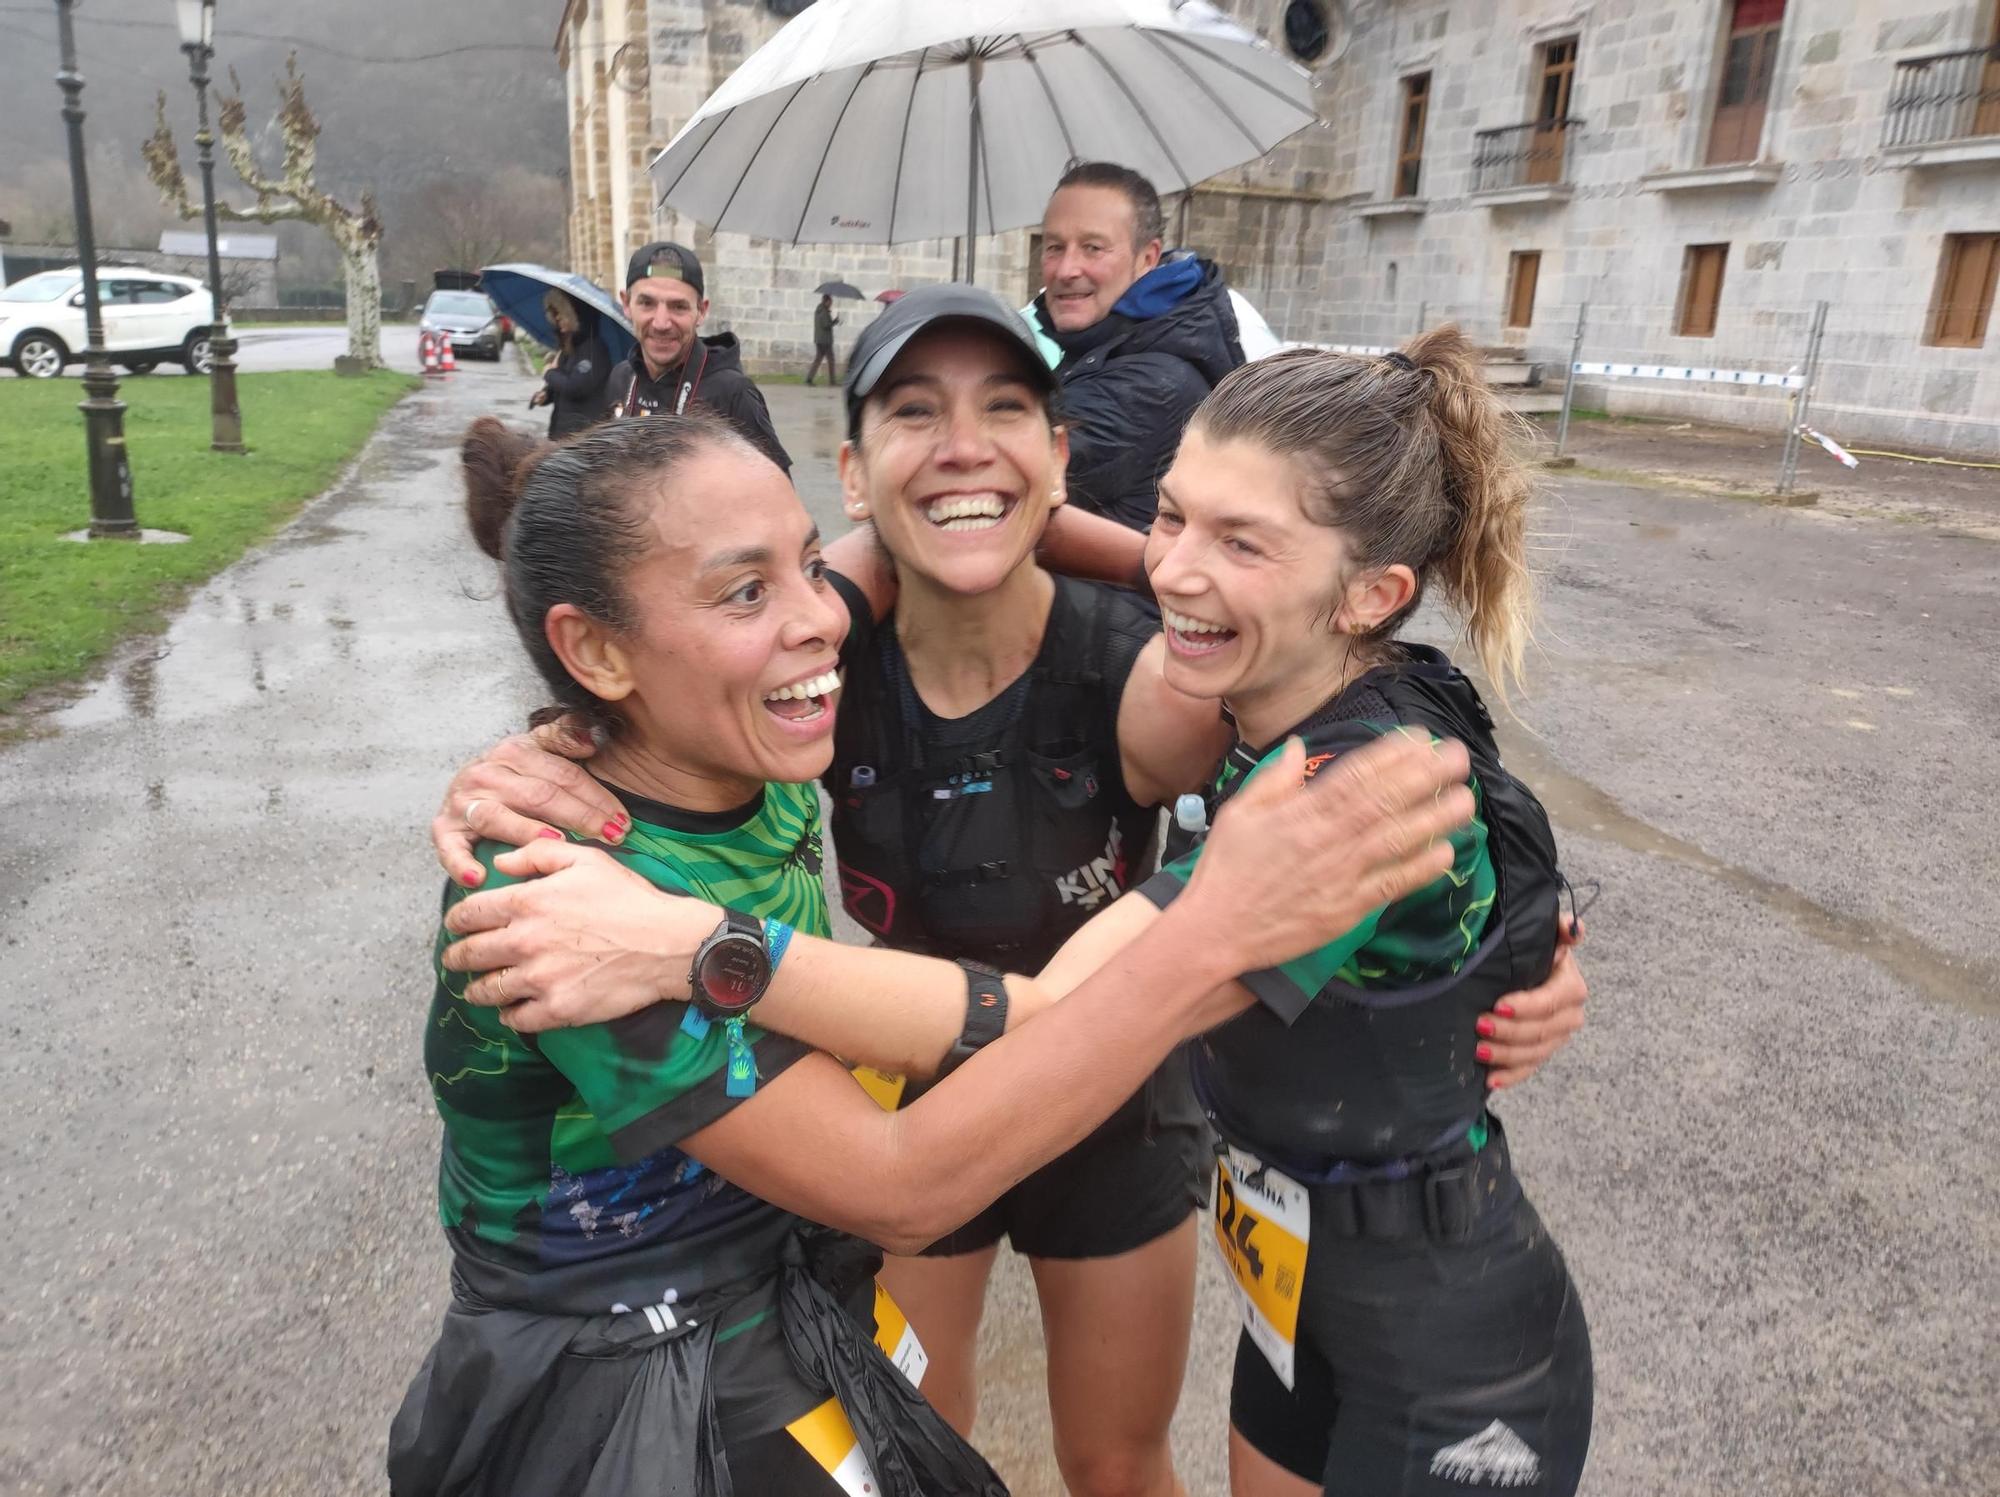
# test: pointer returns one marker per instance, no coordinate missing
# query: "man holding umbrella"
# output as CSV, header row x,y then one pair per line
x,y
824,323
674,367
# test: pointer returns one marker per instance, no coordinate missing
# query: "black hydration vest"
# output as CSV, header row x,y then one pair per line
x,y
999,849
1369,1076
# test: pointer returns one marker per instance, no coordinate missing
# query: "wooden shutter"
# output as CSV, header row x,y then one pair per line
x,y
1410,152
1986,116
1545,155
1749,56
1963,305
1524,269
1701,289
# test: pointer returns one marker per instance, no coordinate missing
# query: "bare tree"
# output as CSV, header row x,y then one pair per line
x,y
292,194
463,223
241,279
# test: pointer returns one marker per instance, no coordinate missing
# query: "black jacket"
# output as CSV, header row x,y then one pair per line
x,y
715,369
1130,382
576,383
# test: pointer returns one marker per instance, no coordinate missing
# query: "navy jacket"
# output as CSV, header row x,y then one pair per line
x,y
1130,382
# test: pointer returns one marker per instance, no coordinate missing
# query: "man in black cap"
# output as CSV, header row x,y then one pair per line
x,y
674,367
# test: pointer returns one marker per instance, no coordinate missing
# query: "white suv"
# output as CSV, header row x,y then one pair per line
x,y
149,319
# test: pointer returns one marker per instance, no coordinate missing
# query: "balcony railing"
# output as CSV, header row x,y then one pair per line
x,y
1531,155
1946,96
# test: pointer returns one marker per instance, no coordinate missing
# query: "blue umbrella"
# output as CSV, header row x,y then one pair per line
x,y
517,290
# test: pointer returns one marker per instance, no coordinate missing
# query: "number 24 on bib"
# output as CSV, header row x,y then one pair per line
x,y
1263,1222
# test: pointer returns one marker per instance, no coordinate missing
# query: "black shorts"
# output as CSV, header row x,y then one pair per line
x,y
1135,1179
1428,1369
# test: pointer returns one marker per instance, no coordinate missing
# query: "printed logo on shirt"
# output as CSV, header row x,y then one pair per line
x,y
1495,1457
1100,880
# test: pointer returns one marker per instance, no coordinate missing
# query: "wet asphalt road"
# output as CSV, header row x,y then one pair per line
x,y
1766,733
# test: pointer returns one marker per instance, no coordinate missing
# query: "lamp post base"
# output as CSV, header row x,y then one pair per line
x,y
227,418
111,515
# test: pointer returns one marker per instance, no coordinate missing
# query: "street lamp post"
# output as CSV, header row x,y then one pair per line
x,y
111,515
197,18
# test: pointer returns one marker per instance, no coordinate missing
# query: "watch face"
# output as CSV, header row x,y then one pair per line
x,y
733,972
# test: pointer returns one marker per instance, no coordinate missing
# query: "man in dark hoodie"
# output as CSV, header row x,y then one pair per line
x,y
1144,338
675,368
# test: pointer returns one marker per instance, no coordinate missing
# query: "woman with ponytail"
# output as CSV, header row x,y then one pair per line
x,y
655,1292
1409,1325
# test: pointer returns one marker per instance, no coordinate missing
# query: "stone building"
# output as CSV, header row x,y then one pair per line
x,y
1702,173
637,69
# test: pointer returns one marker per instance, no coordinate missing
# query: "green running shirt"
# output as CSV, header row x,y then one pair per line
x,y
1422,936
561,1185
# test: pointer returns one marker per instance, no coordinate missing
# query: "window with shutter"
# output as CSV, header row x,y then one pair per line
x,y
1701,290
1552,97
1749,57
1962,304
1410,148
1524,269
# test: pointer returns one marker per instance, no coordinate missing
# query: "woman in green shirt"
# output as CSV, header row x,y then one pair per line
x,y
640,1301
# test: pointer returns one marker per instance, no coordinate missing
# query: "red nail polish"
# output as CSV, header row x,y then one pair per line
x,y
1504,1010
471,877
1483,1054
613,831
549,831
1484,1026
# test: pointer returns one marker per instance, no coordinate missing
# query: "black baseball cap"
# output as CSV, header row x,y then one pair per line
x,y
664,258
920,310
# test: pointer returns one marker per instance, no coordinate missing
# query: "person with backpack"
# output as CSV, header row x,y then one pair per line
x,y
1002,736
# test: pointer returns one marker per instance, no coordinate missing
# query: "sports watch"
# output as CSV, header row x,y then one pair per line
x,y
731,968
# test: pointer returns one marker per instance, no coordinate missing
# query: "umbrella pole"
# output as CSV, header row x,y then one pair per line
x,y
977,65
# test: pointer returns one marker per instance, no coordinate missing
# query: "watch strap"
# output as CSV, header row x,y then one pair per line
x,y
985,1014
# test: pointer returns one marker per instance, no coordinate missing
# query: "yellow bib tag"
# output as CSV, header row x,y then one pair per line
x,y
1263,1221
887,1090
825,1433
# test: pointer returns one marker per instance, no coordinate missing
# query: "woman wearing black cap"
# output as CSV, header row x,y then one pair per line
x,y
1002,736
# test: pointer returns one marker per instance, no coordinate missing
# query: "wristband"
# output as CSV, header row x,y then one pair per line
x,y
777,940
985,1015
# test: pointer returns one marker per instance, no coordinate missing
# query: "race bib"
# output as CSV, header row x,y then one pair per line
x,y
887,1090
825,1433
1263,1221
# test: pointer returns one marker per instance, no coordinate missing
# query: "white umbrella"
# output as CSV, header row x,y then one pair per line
x,y
882,121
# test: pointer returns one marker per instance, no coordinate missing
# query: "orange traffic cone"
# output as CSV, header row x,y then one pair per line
x,y
447,360
427,352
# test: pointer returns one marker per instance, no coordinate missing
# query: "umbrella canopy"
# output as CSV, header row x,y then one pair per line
x,y
517,290
882,121
840,289
885,297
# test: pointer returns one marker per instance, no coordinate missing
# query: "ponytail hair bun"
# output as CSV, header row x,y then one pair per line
x,y
496,461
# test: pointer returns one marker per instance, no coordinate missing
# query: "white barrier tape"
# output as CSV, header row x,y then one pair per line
x,y
1368,349
1834,450
1694,373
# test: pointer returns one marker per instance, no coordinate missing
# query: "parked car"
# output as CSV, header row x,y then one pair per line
x,y
149,319
468,319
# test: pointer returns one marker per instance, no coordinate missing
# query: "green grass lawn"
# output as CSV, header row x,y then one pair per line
x,y
63,605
